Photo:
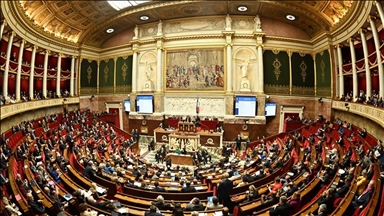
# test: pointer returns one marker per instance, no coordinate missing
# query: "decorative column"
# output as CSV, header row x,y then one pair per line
x,y
6,70
260,68
97,77
58,75
32,74
341,75
315,72
114,74
378,56
19,64
45,73
335,59
228,43
354,72
380,10
134,68
159,69
290,71
368,90
2,27
77,69
72,78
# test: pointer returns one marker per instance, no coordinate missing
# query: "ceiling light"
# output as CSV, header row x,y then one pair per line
x,y
110,30
290,17
242,8
144,17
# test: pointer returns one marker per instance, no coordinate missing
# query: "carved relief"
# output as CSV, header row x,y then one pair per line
x,y
208,106
277,65
244,23
124,68
194,25
106,71
322,66
89,74
303,68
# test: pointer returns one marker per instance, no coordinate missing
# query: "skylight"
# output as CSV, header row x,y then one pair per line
x,y
121,4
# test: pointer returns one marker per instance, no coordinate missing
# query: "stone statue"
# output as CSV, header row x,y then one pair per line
x,y
257,23
160,28
149,70
136,32
228,22
244,69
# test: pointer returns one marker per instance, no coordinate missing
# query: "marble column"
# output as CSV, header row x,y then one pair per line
x,y
32,74
335,61
77,69
368,90
98,77
260,68
114,74
159,69
315,73
2,28
134,72
72,78
378,56
19,64
290,71
341,75
354,72
380,10
229,68
45,73
6,70
58,75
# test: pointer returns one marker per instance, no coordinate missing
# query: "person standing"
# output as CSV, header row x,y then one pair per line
x,y
224,190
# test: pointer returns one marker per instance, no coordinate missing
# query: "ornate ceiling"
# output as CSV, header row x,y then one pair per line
x,y
85,22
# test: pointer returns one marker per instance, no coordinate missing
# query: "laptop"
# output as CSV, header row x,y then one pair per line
x,y
209,199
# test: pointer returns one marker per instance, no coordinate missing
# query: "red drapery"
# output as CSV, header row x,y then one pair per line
x,y
25,84
27,54
39,59
38,85
11,84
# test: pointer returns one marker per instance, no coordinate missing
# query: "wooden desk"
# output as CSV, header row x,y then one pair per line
x,y
181,159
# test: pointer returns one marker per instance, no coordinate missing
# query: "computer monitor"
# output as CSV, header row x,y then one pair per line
x,y
209,199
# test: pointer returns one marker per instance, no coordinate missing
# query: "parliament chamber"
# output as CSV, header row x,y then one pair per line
x,y
201,108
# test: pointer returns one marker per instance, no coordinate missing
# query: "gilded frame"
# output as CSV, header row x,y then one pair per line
x,y
206,71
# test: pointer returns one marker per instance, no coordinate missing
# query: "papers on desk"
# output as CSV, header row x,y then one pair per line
x,y
130,167
18,197
101,190
341,171
257,172
290,173
67,197
138,184
199,188
122,210
173,189
202,214
218,213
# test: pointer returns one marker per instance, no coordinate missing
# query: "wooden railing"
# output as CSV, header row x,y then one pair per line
x,y
374,113
12,109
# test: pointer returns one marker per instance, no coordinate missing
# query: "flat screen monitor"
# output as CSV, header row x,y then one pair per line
x,y
245,106
144,104
127,106
270,109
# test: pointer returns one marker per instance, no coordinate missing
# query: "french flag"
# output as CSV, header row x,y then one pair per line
x,y
197,105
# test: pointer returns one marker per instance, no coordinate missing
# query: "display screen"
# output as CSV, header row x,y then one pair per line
x,y
127,106
270,109
144,104
245,106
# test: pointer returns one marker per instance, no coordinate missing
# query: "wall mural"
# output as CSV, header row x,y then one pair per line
x,y
276,72
195,69
106,76
88,76
323,74
303,77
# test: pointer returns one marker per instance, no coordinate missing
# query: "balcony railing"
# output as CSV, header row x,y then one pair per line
x,y
12,109
374,113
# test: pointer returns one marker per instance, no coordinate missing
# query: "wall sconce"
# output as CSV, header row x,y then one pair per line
x,y
346,105
320,100
92,97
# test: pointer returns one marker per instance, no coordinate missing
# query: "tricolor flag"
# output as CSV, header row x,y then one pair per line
x,y
197,105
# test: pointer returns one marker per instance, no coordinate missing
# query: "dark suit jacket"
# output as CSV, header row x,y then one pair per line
x,y
37,207
88,172
148,213
188,189
162,206
159,189
343,190
281,210
364,199
224,189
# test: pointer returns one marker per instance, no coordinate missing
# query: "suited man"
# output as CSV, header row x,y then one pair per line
x,y
362,200
282,209
88,171
160,204
188,188
158,188
36,206
321,212
224,190
238,142
341,191
152,211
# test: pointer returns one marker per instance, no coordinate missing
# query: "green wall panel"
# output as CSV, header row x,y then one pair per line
x,y
88,78
303,74
323,74
106,76
124,74
276,72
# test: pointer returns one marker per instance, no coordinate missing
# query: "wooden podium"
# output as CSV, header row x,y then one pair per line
x,y
187,127
179,141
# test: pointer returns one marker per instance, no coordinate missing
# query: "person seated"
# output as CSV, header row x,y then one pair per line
x,y
362,200
252,193
282,209
270,200
295,203
195,205
85,211
160,204
341,191
328,197
322,211
177,210
277,185
36,205
188,188
214,204
158,188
